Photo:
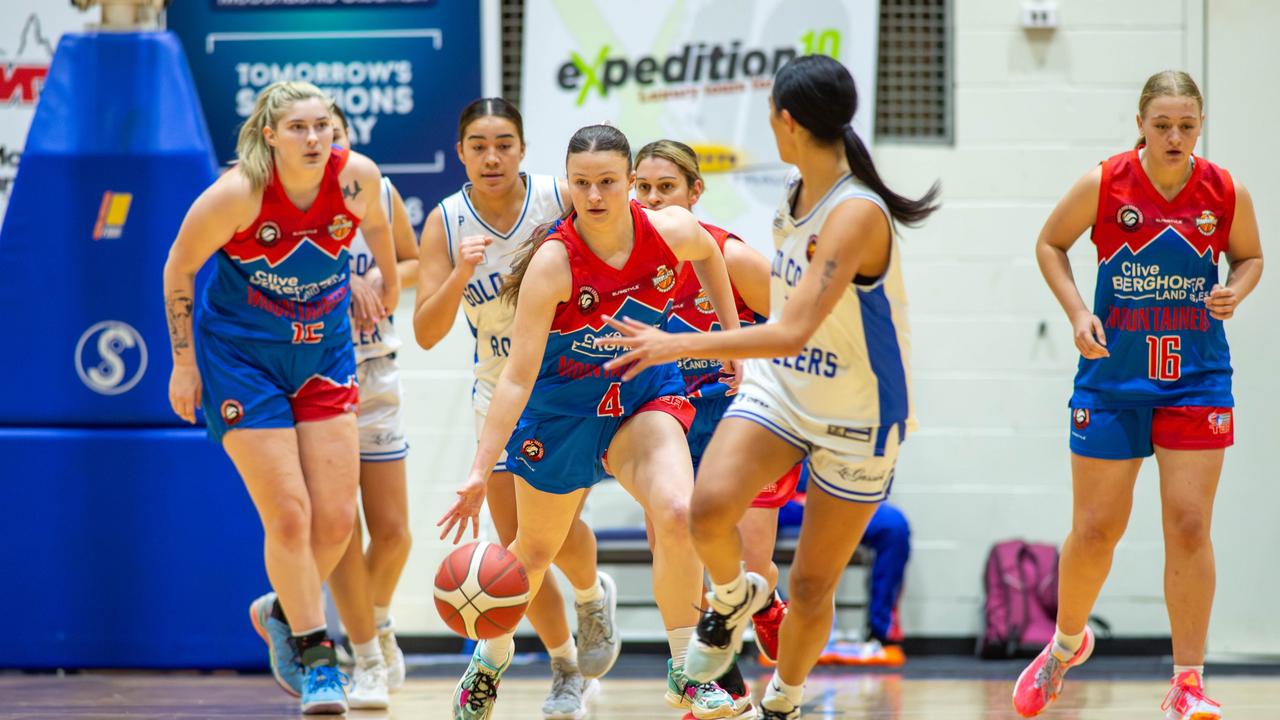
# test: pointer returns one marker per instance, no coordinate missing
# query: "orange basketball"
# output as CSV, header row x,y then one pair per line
x,y
481,590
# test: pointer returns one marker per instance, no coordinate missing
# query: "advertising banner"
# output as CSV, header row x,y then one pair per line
x,y
29,32
698,71
400,69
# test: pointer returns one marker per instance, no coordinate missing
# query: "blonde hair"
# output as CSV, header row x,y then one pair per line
x,y
675,152
255,155
1167,83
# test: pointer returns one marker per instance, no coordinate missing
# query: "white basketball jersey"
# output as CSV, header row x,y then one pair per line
x,y
854,372
382,340
491,318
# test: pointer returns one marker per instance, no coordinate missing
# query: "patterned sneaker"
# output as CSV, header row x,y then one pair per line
x,y
569,692
598,640
286,666
718,638
766,624
1186,700
477,691
322,692
778,707
703,700
392,656
1040,683
369,684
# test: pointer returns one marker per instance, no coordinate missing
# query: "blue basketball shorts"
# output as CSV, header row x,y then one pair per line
x,y
1130,433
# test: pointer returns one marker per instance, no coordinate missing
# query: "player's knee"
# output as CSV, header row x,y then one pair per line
x,y
288,523
670,518
709,514
1187,530
1098,532
333,524
535,554
811,592
393,536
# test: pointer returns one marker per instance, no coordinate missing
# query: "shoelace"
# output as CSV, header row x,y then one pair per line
x,y
483,689
593,630
1044,678
560,685
709,688
326,676
1177,690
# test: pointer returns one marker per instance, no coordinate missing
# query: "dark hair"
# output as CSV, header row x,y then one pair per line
x,y
819,93
490,107
336,110
592,138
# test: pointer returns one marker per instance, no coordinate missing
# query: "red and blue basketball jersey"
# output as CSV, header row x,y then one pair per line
x,y
692,311
572,379
1157,262
285,278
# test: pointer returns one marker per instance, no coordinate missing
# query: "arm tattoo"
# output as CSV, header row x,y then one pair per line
x,y
351,191
828,270
178,308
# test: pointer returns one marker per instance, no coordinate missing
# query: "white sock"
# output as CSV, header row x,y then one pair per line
x,y
368,650
495,651
591,594
382,617
1179,669
678,640
566,651
732,592
793,693
1066,646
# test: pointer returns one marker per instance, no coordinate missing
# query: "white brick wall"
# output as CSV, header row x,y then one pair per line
x,y
1033,112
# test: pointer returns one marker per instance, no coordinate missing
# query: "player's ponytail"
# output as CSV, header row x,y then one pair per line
x,y
255,156
592,138
1167,83
819,93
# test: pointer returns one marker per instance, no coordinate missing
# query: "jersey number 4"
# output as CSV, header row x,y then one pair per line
x,y
308,333
611,404
1163,359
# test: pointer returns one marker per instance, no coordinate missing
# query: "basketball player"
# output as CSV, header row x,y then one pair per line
x,y
272,363
1154,374
464,257
836,393
577,422
364,581
667,173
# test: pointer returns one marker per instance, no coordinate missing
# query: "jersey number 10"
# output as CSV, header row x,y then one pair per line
x,y
1163,360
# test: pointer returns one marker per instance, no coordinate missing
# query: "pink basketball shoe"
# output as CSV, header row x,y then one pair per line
x,y
1038,686
1186,700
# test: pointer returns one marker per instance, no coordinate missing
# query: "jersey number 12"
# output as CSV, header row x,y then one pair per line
x,y
1163,359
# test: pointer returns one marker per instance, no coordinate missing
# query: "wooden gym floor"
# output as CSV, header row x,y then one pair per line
x,y
636,693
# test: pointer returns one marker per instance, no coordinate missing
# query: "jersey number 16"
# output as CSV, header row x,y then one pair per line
x,y
1163,359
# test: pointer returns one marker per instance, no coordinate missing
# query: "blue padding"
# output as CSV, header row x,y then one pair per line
x,y
126,548
118,127
622,533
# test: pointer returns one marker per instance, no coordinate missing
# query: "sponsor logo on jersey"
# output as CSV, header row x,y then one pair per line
x,y
588,298
533,450
703,302
268,234
810,248
111,357
1080,418
664,279
1220,422
1207,223
232,411
588,345
112,214
850,433
340,227
1129,217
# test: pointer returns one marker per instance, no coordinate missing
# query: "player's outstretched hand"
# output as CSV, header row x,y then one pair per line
x,y
648,345
465,510
1222,302
1091,339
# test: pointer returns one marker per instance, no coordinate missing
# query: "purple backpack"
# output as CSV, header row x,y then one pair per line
x,y
1021,608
